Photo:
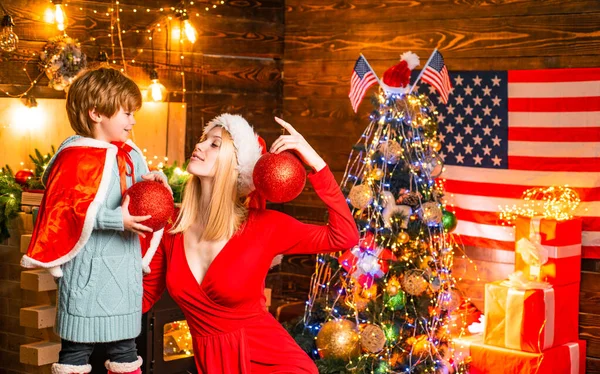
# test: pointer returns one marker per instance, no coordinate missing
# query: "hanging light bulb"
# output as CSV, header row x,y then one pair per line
x,y
190,32
8,39
28,116
59,15
156,91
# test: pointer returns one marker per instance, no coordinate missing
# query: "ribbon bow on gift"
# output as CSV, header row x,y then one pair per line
x,y
365,262
532,251
519,281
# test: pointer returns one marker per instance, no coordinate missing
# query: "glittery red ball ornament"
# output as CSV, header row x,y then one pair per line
x,y
151,198
22,176
279,178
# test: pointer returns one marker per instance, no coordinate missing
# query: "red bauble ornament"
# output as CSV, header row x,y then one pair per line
x,y
279,178
151,198
23,176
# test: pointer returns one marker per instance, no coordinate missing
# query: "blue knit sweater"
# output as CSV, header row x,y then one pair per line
x,y
100,293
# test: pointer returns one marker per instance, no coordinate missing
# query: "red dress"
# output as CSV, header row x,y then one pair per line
x,y
231,329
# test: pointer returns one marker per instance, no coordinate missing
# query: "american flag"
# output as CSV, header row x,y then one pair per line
x,y
506,131
436,74
362,78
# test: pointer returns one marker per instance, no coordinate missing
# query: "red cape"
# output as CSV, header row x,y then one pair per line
x,y
77,186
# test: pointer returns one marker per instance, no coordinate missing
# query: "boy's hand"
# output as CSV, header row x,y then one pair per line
x,y
132,223
158,178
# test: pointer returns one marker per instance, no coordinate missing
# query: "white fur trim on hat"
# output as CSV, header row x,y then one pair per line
x,y
246,144
123,367
71,369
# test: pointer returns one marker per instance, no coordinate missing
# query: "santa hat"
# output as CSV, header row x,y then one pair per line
x,y
247,147
397,78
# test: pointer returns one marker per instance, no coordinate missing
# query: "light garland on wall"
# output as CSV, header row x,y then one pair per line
x,y
114,12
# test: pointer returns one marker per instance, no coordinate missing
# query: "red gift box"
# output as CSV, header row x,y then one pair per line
x,y
485,359
530,320
562,240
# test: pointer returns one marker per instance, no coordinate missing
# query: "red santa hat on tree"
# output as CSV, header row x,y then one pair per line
x,y
397,78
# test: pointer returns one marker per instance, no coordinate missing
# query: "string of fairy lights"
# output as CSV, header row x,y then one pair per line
x,y
184,31
401,132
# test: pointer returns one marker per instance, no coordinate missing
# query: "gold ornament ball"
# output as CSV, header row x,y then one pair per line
x,y
392,150
403,238
425,263
369,293
393,286
338,339
372,338
377,174
436,145
422,346
432,212
414,283
360,196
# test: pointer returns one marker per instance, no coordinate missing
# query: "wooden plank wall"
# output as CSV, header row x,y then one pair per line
x,y
235,66
323,38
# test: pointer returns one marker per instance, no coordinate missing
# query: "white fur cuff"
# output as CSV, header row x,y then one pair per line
x,y
71,369
123,367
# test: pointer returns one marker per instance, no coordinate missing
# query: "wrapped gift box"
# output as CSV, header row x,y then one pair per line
x,y
485,359
562,240
530,320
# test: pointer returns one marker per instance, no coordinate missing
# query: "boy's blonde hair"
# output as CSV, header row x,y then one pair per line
x,y
226,211
105,89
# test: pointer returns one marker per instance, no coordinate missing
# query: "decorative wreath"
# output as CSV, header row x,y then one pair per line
x,y
61,60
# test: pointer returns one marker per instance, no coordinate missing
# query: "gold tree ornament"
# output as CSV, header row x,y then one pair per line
x,y
431,212
392,151
338,339
414,283
403,238
393,286
372,338
361,196
377,174
422,346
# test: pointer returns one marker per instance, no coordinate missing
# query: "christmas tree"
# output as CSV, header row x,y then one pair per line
x,y
384,306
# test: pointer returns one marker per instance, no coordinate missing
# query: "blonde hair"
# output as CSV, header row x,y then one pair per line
x,y
226,211
105,89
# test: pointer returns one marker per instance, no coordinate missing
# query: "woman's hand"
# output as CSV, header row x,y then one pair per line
x,y
297,143
158,177
132,223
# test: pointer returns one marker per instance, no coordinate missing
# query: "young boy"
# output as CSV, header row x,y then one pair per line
x,y
85,236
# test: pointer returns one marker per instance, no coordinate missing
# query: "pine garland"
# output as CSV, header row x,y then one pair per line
x,y
10,200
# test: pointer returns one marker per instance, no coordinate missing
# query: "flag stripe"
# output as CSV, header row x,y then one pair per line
x,y
513,191
561,120
553,89
492,204
565,104
554,149
492,218
476,241
550,134
554,163
554,75
525,178
362,87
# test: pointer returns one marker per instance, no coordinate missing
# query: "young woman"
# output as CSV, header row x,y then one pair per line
x,y
217,253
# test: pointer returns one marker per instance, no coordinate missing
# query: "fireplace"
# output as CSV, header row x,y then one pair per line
x,y
164,344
